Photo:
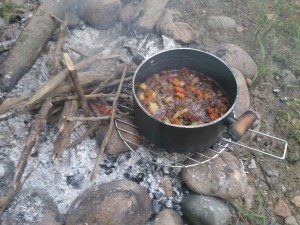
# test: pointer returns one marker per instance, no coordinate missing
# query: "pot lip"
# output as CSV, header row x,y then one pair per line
x,y
229,111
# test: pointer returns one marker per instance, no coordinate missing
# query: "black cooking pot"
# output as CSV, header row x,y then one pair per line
x,y
179,138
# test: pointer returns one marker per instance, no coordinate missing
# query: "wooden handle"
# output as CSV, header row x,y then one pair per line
x,y
243,123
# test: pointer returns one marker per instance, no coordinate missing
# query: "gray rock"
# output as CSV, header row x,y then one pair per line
x,y
221,22
222,177
100,14
168,217
271,173
12,33
238,58
205,210
149,15
72,18
116,145
181,32
291,220
129,11
243,97
288,77
2,24
121,202
32,206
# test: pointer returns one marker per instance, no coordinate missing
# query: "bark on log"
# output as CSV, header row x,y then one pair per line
x,y
31,42
65,128
32,140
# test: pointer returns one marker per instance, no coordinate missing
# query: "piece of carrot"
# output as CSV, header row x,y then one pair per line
x,y
179,95
205,95
190,88
175,121
175,81
214,116
169,88
179,89
148,99
199,94
209,110
149,92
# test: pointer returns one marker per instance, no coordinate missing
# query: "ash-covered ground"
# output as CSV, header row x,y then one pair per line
x,y
68,177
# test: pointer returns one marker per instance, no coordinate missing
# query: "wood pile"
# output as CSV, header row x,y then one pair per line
x,y
67,90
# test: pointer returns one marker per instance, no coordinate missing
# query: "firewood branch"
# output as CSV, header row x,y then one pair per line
x,y
33,135
110,128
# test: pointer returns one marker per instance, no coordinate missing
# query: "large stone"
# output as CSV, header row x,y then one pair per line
x,y
238,58
2,24
100,14
282,209
130,11
168,217
291,220
150,13
296,201
243,97
205,210
181,32
116,144
221,22
288,77
12,33
120,202
32,206
222,177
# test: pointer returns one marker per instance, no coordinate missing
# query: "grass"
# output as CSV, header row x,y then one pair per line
x,y
276,34
256,216
6,10
288,123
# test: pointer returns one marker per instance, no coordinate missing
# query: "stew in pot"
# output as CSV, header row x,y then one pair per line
x,y
183,97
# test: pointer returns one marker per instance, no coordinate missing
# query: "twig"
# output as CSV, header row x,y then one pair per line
x,y
110,128
59,45
90,96
55,17
65,128
33,135
74,77
78,52
75,118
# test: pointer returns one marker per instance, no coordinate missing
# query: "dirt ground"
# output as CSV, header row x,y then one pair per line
x,y
263,100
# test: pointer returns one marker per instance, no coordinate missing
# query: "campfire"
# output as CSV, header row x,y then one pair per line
x,y
67,121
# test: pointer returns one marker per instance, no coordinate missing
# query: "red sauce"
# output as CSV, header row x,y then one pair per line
x,y
183,97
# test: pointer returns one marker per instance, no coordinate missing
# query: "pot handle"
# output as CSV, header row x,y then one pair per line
x,y
238,127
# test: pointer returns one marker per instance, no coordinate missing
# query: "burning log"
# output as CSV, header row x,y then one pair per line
x,y
31,42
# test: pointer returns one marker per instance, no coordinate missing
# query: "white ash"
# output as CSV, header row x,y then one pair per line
x,y
65,179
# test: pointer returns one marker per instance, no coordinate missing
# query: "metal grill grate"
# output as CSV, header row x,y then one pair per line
x,y
128,132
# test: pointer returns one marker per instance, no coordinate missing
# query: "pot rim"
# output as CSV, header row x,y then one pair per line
x,y
230,110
